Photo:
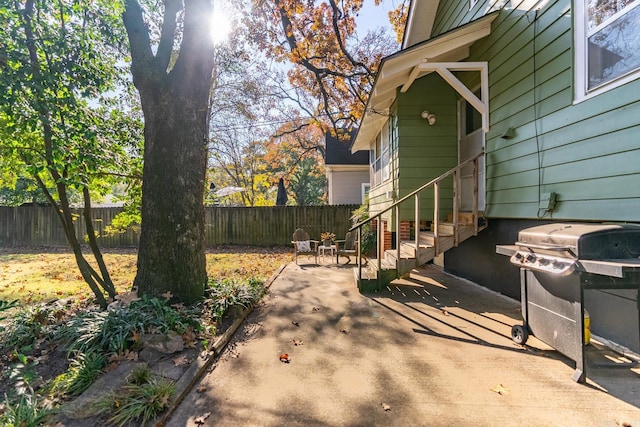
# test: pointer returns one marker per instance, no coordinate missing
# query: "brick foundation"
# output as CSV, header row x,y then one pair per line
x,y
405,230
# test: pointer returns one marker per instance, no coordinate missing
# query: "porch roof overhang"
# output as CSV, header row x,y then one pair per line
x,y
442,54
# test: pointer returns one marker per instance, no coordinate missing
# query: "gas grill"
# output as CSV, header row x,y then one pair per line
x,y
558,261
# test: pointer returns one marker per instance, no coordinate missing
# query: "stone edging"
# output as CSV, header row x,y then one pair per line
x,y
197,370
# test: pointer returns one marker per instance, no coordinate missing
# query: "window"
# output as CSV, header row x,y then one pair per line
x,y
472,120
366,187
380,158
608,44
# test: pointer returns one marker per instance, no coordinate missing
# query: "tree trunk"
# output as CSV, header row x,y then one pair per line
x,y
171,254
175,103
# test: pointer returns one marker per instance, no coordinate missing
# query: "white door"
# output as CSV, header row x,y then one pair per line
x,y
470,143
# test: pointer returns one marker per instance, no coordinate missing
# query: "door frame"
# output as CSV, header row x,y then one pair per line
x,y
463,136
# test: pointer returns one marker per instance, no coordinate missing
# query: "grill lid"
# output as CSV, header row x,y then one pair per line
x,y
584,241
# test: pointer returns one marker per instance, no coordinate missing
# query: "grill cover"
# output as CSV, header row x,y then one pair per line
x,y
588,241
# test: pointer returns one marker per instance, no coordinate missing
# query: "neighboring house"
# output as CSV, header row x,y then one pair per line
x,y
347,173
549,90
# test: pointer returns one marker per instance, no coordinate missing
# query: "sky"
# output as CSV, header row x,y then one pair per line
x,y
372,16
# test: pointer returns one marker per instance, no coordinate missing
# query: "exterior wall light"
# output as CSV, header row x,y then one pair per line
x,y
429,117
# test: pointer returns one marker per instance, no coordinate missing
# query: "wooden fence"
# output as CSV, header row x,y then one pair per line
x,y
259,226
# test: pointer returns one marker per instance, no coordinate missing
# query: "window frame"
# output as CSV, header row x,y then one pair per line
x,y
365,189
581,65
380,158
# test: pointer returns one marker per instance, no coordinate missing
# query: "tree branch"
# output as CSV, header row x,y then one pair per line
x,y
167,35
335,17
140,45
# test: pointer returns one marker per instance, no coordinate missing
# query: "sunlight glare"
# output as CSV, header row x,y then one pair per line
x,y
220,23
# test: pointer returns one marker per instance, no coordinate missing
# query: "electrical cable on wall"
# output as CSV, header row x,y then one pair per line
x,y
535,112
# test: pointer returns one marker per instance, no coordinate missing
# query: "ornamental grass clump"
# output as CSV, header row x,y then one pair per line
x,y
83,370
20,331
227,293
113,330
24,410
143,398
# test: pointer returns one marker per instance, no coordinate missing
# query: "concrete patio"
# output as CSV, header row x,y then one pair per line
x,y
430,350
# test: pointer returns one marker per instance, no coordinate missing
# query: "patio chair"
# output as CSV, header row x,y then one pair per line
x,y
347,247
302,245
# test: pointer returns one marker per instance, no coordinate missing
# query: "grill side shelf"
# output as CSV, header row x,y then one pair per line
x,y
507,250
613,268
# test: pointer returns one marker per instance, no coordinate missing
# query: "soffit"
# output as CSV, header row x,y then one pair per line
x,y
402,68
422,14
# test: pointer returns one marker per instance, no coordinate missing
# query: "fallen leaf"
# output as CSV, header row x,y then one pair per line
x,y
136,337
130,355
189,337
294,323
500,389
164,402
167,295
201,389
297,342
285,358
111,367
315,309
445,312
386,407
181,361
201,418
178,306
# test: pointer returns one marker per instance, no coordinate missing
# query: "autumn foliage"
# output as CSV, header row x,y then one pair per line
x,y
330,61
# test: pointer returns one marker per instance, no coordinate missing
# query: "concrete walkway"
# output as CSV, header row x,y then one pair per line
x,y
432,350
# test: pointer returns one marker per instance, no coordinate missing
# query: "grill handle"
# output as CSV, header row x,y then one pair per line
x,y
549,247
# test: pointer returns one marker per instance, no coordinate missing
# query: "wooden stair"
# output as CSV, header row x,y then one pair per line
x,y
411,257
374,274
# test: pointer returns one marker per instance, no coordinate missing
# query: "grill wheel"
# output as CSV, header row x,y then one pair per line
x,y
519,334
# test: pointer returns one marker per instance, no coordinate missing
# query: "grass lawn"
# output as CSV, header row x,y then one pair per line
x,y
40,274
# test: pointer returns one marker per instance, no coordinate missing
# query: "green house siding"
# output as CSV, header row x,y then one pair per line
x,y
588,152
425,152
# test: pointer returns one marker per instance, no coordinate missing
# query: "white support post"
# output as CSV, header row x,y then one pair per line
x,y
416,233
444,69
456,205
475,196
398,249
436,219
380,245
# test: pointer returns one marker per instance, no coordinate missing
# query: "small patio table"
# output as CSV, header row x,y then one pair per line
x,y
322,248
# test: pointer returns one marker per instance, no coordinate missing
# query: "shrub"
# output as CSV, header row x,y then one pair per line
x,y
368,242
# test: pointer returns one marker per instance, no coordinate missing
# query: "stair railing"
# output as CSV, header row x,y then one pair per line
x,y
415,194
